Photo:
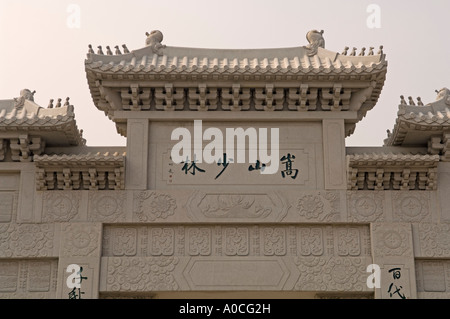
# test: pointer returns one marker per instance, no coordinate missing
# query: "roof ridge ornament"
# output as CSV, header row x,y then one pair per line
x,y
154,40
25,94
316,41
443,94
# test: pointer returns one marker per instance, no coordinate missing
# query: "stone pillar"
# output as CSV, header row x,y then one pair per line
x,y
27,188
80,244
137,153
443,190
392,250
334,154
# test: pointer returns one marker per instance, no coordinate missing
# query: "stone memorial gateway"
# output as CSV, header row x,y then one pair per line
x,y
133,222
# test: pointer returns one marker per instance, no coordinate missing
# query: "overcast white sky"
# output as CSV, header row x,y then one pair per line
x,y
40,51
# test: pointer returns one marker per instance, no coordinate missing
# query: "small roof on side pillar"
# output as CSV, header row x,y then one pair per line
x,y
416,124
57,126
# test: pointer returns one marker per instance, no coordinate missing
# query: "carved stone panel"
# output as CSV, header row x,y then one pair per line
x,y
366,206
150,206
107,206
274,241
26,240
60,206
28,279
236,240
162,241
392,239
332,273
434,240
320,206
80,239
199,243
140,273
224,206
412,206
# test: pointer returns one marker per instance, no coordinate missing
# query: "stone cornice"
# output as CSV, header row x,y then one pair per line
x,y
384,171
80,171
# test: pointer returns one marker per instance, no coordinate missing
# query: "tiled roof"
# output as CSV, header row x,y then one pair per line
x,y
228,61
32,117
433,117
98,159
391,159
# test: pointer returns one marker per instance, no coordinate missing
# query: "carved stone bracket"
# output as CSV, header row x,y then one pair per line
x,y
169,98
440,145
303,98
203,98
136,98
78,172
23,148
236,98
391,171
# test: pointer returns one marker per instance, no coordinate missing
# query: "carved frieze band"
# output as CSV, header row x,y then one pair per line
x,y
23,279
141,274
236,241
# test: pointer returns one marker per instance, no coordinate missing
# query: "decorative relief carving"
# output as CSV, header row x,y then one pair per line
x,y
150,206
323,206
8,202
26,240
236,241
162,241
107,207
274,241
124,241
434,239
365,206
225,206
226,240
80,239
411,206
141,274
199,241
348,242
60,206
392,239
28,278
331,274
311,241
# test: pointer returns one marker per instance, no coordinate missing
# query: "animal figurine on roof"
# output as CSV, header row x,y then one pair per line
x,y
154,40
316,41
